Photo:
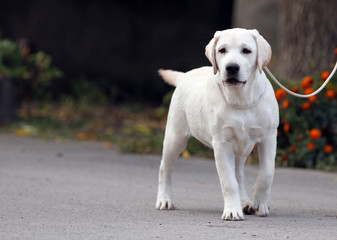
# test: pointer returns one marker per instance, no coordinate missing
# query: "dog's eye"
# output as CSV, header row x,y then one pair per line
x,y
222,50
246,51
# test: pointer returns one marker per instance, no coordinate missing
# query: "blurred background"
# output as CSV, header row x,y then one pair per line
x,y
87,69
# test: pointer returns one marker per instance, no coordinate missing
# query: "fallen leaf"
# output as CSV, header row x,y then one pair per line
x,y
26,130
249,160
107,144
85,135
186,154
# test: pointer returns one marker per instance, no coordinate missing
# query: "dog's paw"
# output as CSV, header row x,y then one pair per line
x,y
164,204
232,215
262,209
248,207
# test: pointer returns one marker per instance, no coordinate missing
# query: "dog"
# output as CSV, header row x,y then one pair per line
x,y
230,107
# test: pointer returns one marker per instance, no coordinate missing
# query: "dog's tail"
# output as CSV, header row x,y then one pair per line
x,y
170,76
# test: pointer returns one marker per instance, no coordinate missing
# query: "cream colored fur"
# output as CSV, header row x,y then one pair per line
x,y
230,114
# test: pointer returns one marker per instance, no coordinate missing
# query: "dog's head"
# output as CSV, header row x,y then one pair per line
x,y
236,54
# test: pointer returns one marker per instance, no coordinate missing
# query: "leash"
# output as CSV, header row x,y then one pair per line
x,y
301,95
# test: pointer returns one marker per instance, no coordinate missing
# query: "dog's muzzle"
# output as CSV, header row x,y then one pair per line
x,y
234,82
232,71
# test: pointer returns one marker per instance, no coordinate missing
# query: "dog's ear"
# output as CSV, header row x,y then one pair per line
x,y
210,52
263,50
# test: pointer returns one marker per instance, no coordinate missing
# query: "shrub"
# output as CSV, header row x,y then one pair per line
x,y
31,72
307,135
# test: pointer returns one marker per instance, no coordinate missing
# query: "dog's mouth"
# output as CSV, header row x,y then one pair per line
x,y
234,82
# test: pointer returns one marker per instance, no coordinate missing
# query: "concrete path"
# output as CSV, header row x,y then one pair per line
x,y
80,190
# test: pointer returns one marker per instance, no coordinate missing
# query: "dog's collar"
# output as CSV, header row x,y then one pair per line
x,y
240,107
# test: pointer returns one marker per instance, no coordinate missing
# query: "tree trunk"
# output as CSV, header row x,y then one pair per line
x,y
308,37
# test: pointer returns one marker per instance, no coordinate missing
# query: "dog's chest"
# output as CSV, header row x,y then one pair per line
x,y
243,138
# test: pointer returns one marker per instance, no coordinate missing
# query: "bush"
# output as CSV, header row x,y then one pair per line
x,y
307,134
31,72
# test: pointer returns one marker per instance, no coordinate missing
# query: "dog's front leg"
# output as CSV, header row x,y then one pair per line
x,y
247,204
225,164
262,187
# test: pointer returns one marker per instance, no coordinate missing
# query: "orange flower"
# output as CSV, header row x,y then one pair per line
x,y
325,75
312,99
284,157
295,89
308,91
336,51
285,104
280,94
328,148
293,148
284,120
307,82
311,146
315,133
330,94
286,127
306,106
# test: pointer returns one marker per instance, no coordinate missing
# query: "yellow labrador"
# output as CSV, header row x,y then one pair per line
x,y
229,107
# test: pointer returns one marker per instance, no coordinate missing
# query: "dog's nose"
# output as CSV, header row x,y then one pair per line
x,y
232,68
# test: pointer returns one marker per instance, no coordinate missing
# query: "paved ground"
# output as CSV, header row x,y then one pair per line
x,y
71,190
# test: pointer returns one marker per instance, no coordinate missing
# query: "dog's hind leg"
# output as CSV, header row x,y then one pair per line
x,y
247,204
175,142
